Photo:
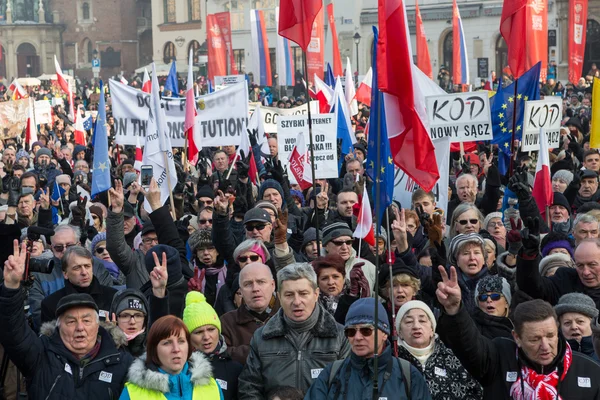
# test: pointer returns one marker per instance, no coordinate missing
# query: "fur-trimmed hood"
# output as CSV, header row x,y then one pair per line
x,y
199,370
555,260
325,327
117,335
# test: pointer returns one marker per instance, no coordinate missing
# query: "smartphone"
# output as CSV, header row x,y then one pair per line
x,y
146,175
26,190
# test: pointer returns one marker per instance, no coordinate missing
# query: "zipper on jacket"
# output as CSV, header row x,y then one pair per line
x,y
53,385
299,369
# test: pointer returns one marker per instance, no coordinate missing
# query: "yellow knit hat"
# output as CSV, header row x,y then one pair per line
x,y
198,312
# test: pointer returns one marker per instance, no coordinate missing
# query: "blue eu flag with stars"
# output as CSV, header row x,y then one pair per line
x,y
503,104
381,167
101,172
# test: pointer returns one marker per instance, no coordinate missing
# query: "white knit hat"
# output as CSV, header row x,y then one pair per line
x,y
415,304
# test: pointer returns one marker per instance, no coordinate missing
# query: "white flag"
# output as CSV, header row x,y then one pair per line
x,y
350,90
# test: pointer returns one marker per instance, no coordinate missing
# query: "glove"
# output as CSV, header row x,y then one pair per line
x,y
434,229
518,183
243,165
8,168
281,228
531,237
466,165
356,280
183,223
240,206
438,255
14,191
195,284
515,241
79,212
276,171
253,136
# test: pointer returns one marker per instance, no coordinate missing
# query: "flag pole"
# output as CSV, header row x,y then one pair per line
x,y
377,228
391,292
514,128
169,183
312,153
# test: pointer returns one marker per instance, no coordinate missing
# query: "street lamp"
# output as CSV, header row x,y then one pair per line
x,y
356,38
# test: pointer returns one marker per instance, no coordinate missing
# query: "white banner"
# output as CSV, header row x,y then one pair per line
x,y
545,114
404,186
270,114
43,112
463,117
324,141
222,116
229,80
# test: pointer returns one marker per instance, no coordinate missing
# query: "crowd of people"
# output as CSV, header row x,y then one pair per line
x,y
261,291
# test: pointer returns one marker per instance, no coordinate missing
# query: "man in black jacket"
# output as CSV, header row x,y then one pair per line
x,y
79,360
539,361
77,265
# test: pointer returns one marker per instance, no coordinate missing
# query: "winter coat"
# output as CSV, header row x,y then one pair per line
x,y
275,361
130,262
446,378
195,381
354,378
225,371
585,346
238,327
494,364
52,371
491,326
46,284
102,295
550,289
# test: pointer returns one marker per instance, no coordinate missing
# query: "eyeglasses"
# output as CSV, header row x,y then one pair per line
x,y
126,317
492,224
468,221
149,240
364,331
340,243
204,221
493,296
258,227
243,259
206,203
59,248
100,250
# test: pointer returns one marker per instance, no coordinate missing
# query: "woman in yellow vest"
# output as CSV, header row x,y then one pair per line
x,y
170,370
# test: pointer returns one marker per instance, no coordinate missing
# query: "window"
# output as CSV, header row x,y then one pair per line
x,y
447,52
592,46
240,60
237,10
501,55
169,53
90,51
194,10
85,11
195,47
170,11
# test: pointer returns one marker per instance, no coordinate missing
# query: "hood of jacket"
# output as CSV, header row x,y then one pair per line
x,y
50,328
198,367
325,327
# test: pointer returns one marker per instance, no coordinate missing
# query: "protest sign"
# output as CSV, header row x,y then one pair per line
x,y
545,114
13,117
404,186
324,141
229,80
222,116
43,112
270,114
463,117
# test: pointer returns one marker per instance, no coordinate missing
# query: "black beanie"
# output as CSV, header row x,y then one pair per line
x,y
399,267
561,200
173,262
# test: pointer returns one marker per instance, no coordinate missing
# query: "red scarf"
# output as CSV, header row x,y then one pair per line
x,y
534,386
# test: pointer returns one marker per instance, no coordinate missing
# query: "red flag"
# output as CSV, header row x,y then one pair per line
x,y
337,58
297,162
247,149
17,90
423,59
139,155
224,21
64,85
217,52
410,143
324,94
542,185
31,129
79,130
364,222
363,93
315,54
147,83
296,19
577,31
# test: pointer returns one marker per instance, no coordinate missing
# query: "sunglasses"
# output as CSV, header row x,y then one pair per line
x,y
258,227
364,331
493,296
243,259
204,221
61,247
339,243
100,250
468,221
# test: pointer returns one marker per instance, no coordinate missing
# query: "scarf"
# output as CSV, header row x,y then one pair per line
x,y
535,386
85,360
131,336
211,271
420,354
